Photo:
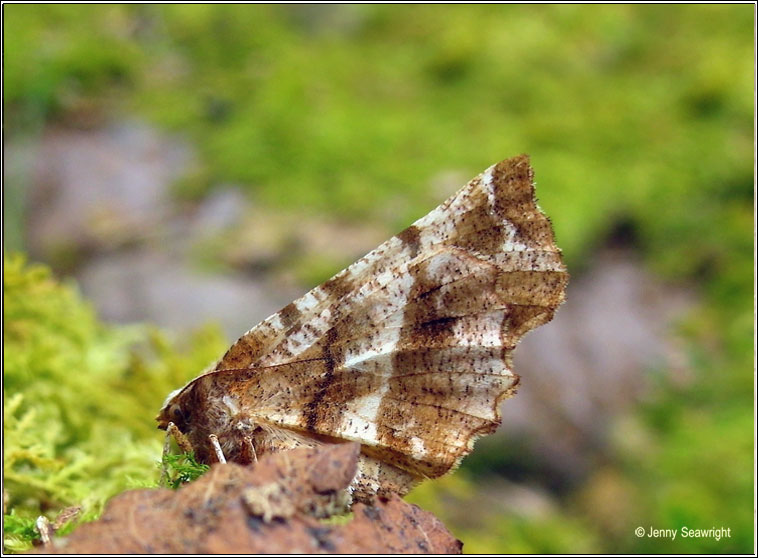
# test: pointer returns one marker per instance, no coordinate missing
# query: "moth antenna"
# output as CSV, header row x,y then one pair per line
x,y
217,448
65,515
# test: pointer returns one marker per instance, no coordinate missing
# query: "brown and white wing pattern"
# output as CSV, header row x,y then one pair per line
x,y
408,350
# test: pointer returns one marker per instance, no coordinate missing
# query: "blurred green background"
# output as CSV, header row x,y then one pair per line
x,y
638,118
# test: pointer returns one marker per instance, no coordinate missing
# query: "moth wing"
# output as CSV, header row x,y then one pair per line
x,y
408,350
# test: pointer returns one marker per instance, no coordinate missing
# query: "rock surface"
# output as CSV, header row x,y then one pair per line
x,y
266,508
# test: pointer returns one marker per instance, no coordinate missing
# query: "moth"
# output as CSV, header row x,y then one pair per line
x,y
408,351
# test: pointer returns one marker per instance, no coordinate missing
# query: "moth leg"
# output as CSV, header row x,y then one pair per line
x,y
66,515
248,454
45,529
181,440
217,448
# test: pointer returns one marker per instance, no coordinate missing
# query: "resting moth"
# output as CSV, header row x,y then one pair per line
x,y
408,351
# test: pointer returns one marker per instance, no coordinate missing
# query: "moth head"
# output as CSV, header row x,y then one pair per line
x,y
174,410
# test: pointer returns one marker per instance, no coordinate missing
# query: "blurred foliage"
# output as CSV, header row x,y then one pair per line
x,y
634,114
79,399
633,108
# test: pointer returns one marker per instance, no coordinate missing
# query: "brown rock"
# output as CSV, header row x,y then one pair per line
x,y
265,508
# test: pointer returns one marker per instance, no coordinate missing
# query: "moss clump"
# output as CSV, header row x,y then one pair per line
x,y
182,468
79,398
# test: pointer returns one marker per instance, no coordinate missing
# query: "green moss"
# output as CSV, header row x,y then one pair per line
x,y
182,468
19,532
79,398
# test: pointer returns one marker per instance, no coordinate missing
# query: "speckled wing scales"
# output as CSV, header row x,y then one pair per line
x,y
408,350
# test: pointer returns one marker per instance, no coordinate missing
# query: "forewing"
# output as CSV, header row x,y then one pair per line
x,y
408,350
